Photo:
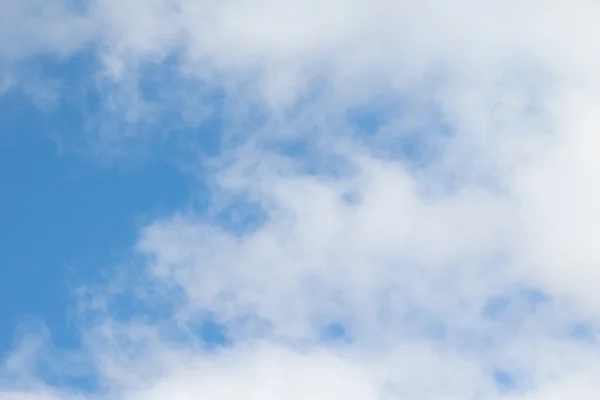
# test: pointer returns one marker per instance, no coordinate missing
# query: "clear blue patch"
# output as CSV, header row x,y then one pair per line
x,y
65,221
583,331
351,198
213,333
241,216
388,125
371,117
100,117
62,220
309,159
495,307
517,302
335,332
204,330
504,380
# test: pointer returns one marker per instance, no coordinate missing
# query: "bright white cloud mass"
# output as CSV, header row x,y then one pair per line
x,y
404,203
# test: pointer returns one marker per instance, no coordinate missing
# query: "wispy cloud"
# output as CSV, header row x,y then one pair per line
x,y
418,175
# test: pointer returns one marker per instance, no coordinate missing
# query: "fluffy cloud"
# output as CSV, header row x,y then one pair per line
x,y
451,247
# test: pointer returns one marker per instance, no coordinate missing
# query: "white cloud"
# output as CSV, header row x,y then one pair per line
x,y
395,252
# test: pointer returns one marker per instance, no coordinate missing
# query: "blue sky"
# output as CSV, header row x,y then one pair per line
x,y
70,214
66,220
289,200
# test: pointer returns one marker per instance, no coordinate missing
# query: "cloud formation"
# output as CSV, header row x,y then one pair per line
x,y
442,248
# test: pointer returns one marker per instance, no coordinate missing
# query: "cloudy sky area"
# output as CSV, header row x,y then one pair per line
x,y
266,200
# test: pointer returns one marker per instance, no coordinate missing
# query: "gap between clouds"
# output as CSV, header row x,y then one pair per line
x,y
406,251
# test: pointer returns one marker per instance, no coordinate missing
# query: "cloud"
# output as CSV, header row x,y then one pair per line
x,y
423,234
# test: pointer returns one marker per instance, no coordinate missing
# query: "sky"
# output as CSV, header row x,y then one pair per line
x,y
234,199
